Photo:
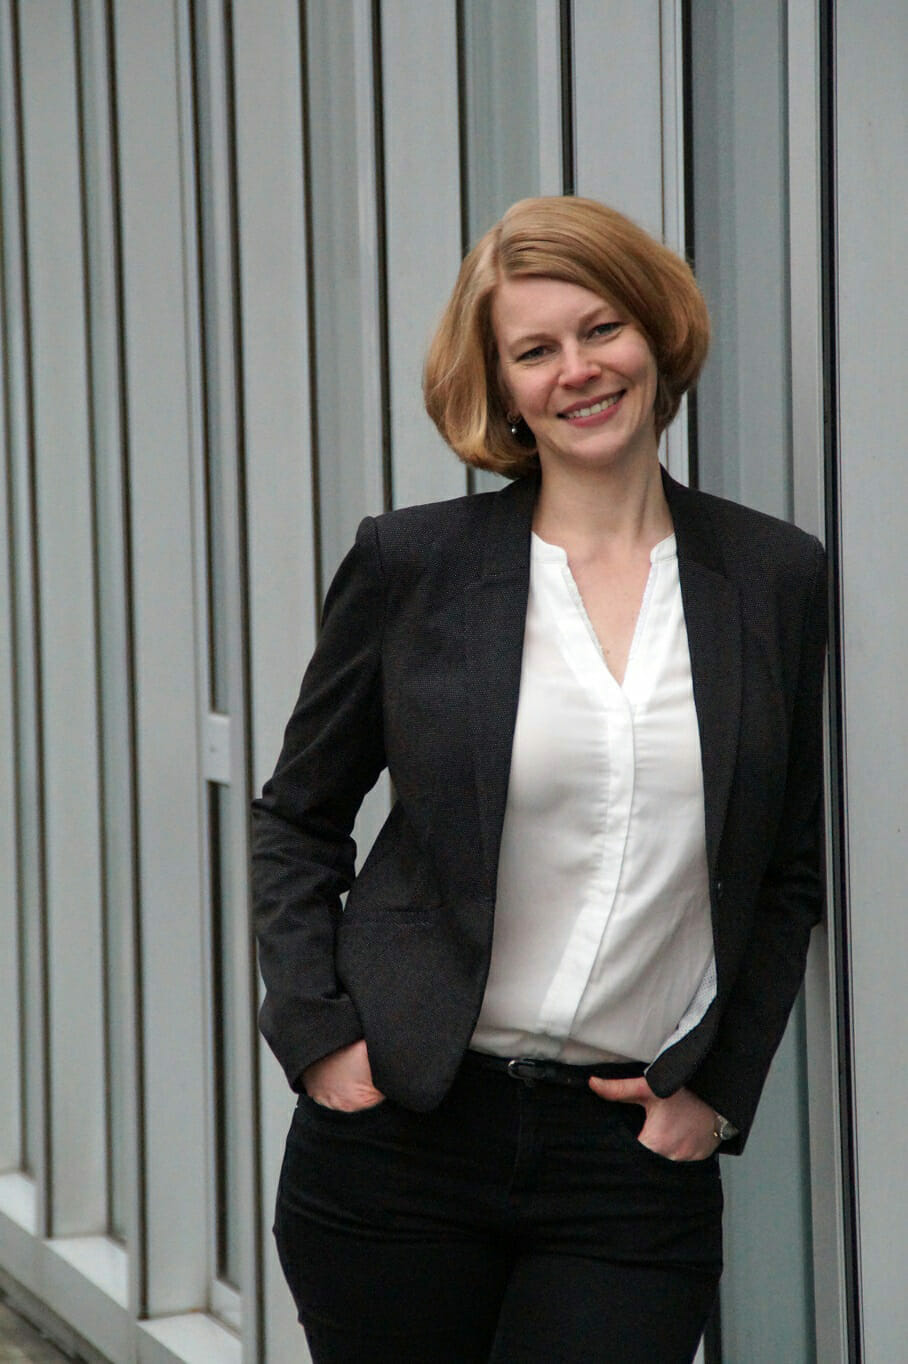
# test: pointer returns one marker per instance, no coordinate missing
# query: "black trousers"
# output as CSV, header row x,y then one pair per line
x,y
516,1224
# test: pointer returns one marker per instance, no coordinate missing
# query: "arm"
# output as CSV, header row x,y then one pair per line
x,y
729,1079
789,903
303,852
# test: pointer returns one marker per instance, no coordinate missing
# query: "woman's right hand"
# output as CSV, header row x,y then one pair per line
x,y
343,1080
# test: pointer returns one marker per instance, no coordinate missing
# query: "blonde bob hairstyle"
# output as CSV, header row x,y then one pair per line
x,y
581,242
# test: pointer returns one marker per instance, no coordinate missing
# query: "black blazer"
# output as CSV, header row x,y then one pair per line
x,y
418,668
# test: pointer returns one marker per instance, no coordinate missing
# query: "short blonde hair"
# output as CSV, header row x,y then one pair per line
x,y
581,242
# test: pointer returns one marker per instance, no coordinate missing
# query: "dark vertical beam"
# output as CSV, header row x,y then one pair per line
x,y
568,150
837,872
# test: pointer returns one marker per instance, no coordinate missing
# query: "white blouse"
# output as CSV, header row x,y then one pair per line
x,y
602,945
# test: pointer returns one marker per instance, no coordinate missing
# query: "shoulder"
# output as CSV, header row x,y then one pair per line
x,y
753,546
433,534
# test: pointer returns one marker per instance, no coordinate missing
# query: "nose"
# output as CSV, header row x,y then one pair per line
x,y
576,368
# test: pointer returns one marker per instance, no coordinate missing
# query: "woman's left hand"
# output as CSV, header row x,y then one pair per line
x,y
681,1127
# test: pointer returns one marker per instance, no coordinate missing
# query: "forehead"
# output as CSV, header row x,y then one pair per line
x,y
530,303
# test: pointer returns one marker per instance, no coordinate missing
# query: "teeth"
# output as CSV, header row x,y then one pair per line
x,y
592,411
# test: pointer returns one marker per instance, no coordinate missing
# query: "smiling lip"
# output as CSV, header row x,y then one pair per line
x,y
591,409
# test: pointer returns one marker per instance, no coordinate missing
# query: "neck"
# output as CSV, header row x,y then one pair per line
x,y
597,509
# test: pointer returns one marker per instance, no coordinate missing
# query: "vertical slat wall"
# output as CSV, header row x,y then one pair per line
x,y
281,545
871,132
66,588
228,229
160,305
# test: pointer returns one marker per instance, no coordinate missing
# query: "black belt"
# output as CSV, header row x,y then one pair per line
x,y
534,1071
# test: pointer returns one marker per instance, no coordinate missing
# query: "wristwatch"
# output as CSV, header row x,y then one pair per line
x,y
724,1130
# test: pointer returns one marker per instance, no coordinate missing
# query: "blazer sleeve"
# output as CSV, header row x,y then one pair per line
x,y
303,854
789,903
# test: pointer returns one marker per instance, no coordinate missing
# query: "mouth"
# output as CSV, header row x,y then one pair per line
x,y
591,409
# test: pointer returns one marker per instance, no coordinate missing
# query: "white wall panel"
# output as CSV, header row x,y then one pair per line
x,y
872,205
10,1047
11,1017
422,195
807,436
26,676
66,584
113,624
618,106
154,145
281,547
347,344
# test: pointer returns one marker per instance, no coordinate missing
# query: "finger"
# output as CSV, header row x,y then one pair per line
x,y
633,1091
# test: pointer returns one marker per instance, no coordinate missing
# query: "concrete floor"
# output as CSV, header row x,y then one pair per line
x,y
19,1341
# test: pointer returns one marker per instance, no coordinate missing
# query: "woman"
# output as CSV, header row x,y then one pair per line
x,y
561,974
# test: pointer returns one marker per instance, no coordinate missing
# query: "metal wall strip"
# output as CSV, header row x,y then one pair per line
x,y
30,876
64,518
155,133
282,555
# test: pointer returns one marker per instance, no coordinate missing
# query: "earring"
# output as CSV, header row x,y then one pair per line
x,y
514,419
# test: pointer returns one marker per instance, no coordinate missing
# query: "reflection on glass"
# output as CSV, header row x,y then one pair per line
x,y
740,173
500,118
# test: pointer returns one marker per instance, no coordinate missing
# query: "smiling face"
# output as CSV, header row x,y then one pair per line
x,y
580,374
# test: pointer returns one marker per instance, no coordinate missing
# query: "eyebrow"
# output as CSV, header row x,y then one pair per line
x,y
528,338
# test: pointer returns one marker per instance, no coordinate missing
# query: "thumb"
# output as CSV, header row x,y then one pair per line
x,y
632,1091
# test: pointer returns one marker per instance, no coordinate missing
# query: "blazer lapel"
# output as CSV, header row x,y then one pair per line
x,y
713,618
495,616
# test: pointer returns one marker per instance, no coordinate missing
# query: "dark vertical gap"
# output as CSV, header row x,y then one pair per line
x,y
16,647
785,235
137,1049
381,253
103,793
837,872
219,1106
253,1300
463,148
689,216
43,1006
463,127
311,313
568,150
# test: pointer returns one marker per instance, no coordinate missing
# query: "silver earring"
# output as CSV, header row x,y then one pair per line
x,y
514,419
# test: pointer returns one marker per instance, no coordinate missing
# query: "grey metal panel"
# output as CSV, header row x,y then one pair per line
x,y
502,117
422,183
346,349
871,59
233,1005
739,93
11,1015
807,434
152,60
550,152
26,679
675,441
65,567
741,177
512,124
617,106
114,680
280,545
10,1049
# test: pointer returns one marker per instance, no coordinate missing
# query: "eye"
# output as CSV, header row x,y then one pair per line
x,y
605,328
534,353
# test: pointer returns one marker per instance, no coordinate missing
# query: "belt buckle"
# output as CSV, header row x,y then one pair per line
x,y
524,1068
